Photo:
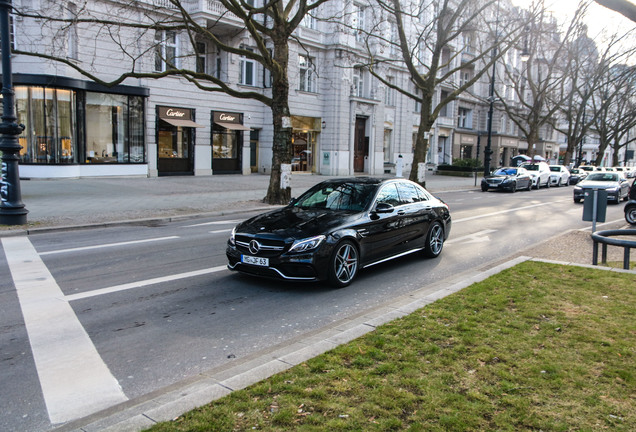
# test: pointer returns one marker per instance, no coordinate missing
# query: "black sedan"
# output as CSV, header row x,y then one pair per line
x,y
577,175
614,183
337,228
507,178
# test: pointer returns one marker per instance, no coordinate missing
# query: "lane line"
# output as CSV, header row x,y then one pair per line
x,y
505,211
221,231
479,235
143,283
74,379
108,245
226,222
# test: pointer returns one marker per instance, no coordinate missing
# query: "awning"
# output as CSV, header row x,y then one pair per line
x,y
233,126
182,123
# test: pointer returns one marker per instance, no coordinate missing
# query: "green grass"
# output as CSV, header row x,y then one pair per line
x,y
536,347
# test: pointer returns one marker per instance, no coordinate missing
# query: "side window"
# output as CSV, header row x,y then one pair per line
x,y
408,193
389,195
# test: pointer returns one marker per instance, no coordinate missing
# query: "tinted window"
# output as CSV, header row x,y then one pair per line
x,y
337,196
408,193
389,195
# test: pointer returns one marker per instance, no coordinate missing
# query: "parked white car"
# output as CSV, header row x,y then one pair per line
x,y
540,173
559,175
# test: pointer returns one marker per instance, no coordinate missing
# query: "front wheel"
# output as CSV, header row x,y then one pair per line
x,y
343,265
513,188
484,188
630,214
434,240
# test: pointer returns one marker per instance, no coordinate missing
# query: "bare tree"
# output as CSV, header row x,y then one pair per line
x,y
615,111
432,38
129,24
538,85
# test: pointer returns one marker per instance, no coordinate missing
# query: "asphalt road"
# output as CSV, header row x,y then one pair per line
x,y
129,311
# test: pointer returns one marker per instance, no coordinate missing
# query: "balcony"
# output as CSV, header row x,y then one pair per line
x,y
211,10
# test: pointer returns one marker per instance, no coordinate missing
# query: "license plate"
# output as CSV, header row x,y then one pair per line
x,y
263,262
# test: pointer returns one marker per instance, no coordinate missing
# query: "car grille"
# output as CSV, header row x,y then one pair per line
x,y
266,247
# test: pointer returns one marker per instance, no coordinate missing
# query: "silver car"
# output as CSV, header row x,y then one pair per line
x,y
614,183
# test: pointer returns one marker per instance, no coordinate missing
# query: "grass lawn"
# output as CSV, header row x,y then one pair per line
x,y
536,347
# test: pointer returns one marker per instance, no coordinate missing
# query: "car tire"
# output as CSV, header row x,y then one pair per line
x,y
547,184
484,188
630,214
434,241
559,183
529,188
344,263
513,188
577,200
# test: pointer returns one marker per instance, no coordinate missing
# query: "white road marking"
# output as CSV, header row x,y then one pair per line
x,y
221,231
505,211
143,283
478,237
226,222
74,379
107,245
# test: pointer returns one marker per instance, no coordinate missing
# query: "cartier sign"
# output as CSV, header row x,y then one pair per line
x,y
175,113
227,117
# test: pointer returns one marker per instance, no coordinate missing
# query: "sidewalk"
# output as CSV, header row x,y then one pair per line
x,y
77,202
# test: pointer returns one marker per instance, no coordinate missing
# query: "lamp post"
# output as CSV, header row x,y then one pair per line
x,y
12,210
491,99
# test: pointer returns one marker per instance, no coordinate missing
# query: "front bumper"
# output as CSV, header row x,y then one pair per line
x,y
305,267
579,194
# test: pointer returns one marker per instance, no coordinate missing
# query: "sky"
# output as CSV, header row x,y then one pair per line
x,y
599,19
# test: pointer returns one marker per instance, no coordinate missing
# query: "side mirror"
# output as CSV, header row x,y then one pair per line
x,y
292,201
383,208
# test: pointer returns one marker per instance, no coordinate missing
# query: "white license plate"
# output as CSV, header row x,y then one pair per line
x,y
246,259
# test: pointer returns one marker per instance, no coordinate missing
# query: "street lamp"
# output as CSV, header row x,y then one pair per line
x,y
12,210
491,99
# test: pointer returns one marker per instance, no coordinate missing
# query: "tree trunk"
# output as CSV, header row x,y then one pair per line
x,y
281,146
421,142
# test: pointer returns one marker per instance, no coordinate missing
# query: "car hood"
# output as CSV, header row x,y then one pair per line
x,y
296,223
591,184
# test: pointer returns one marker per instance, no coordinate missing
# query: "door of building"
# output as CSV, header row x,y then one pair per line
x,y
175,141
360,145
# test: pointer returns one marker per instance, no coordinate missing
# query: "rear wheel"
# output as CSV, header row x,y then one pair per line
x,y
344,263
434,240
529,185
630,214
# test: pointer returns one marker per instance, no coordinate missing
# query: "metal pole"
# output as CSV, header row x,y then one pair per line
x,y
491,98
12,210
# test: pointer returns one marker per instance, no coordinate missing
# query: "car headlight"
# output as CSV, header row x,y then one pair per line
x,y
613,190
307,244
578,188
232,234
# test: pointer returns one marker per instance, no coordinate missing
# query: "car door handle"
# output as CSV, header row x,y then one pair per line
x,y
401,212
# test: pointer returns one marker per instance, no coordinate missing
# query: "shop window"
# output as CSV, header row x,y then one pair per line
x,y
115,134
466,152
49,119
307,80
166,55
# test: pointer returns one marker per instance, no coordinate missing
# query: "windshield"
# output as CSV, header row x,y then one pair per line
x,y
607,177
506,171
555,169
337,196
531,167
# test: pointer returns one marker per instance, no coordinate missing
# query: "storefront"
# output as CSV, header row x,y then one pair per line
x,y
75,128
175,141
305,131
227,142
